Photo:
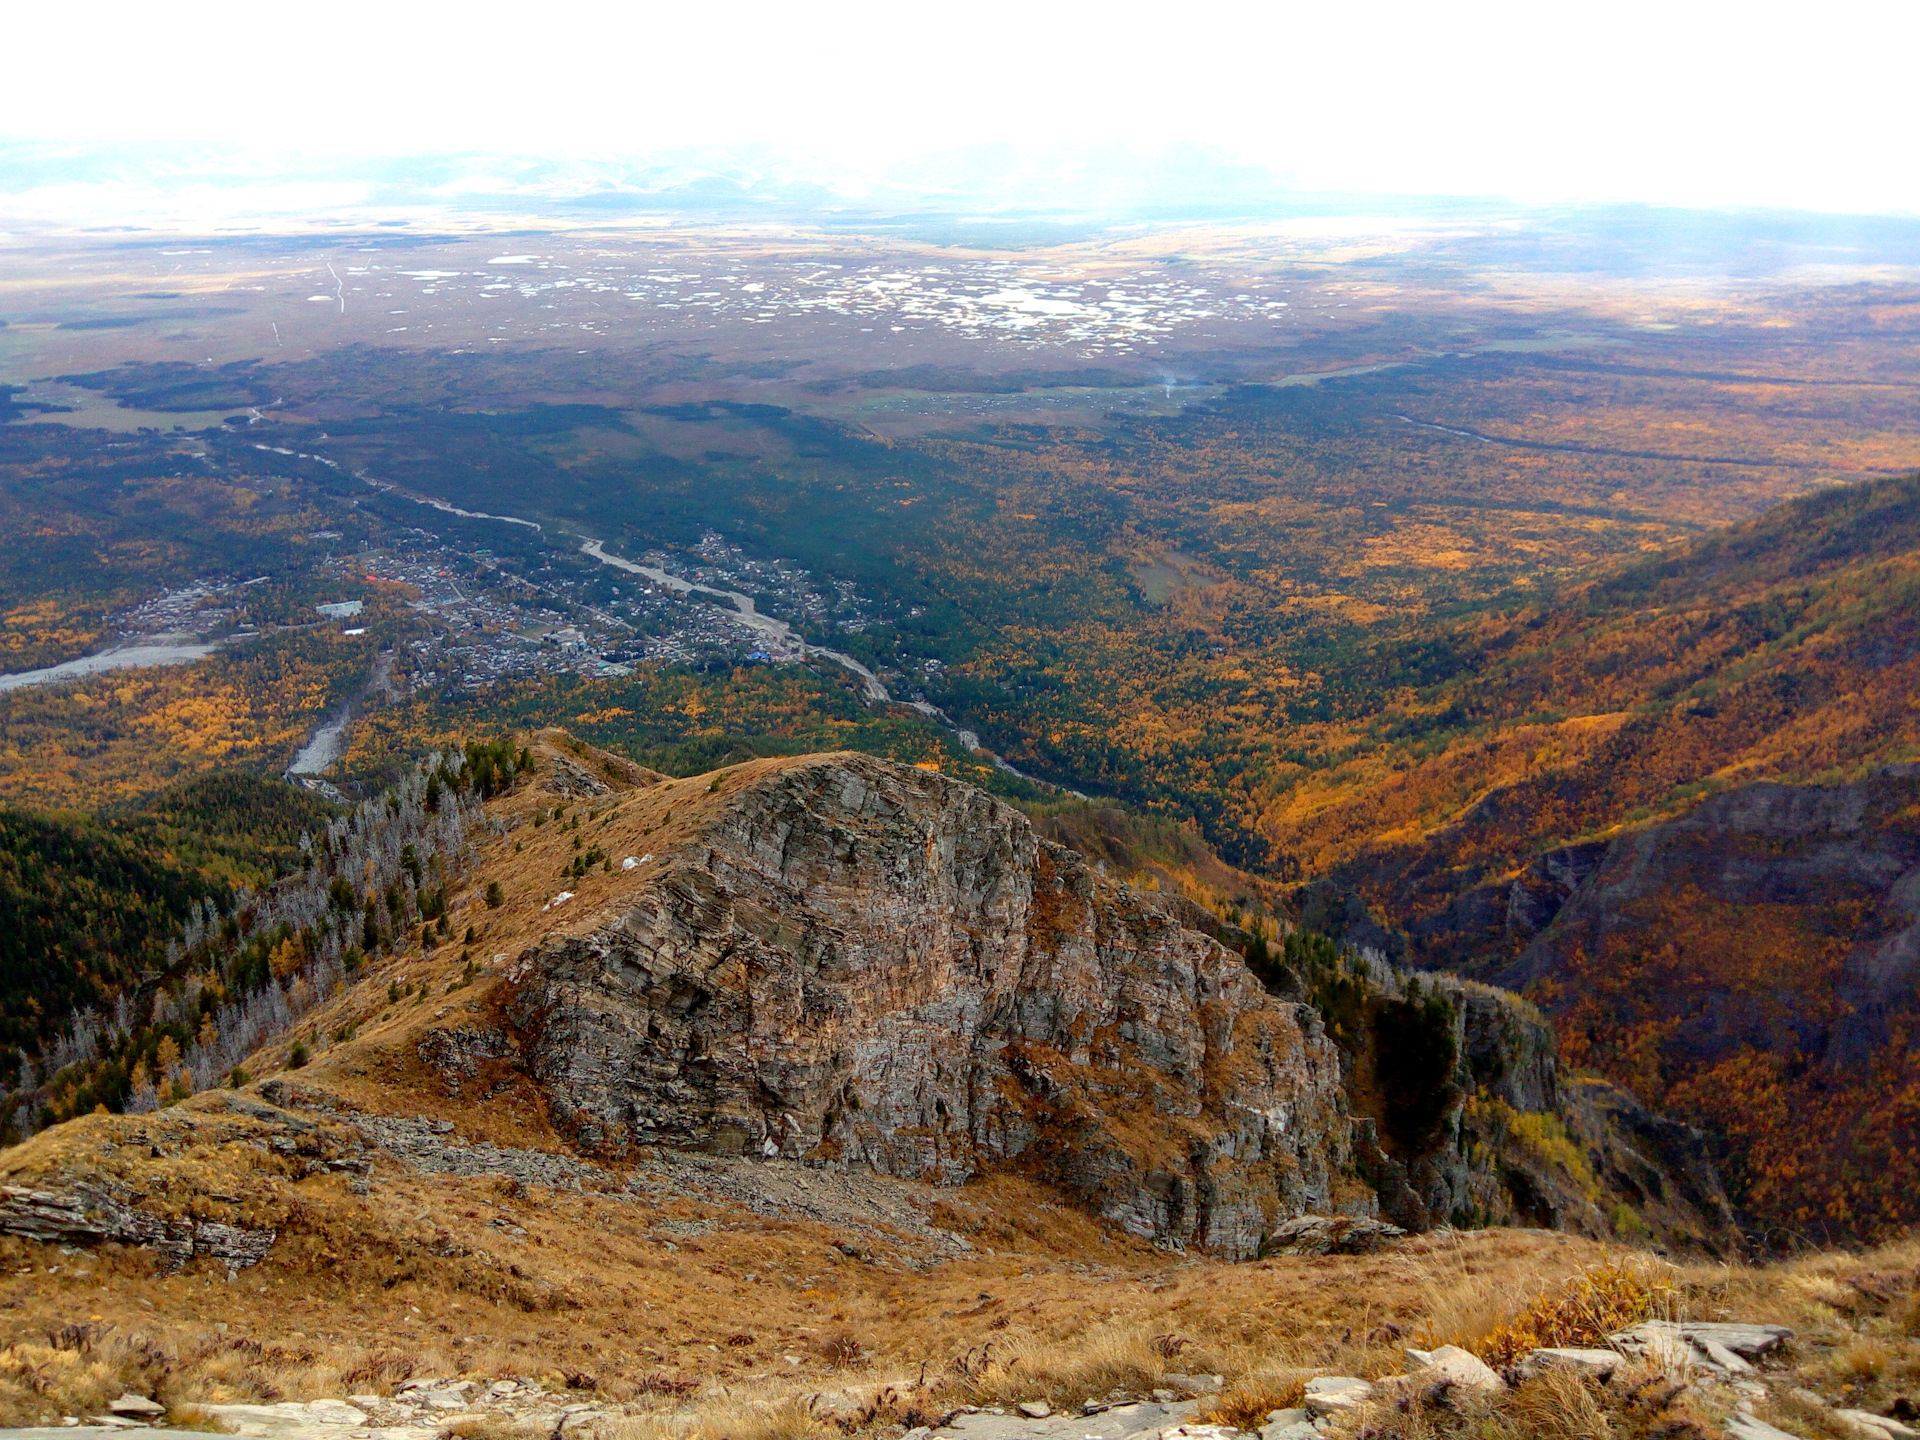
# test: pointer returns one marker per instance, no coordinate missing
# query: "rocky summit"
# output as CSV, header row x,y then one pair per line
x,y
861,963
830,1088
847,962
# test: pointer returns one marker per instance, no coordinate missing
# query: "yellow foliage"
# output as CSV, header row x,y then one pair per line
x,y
1589,1307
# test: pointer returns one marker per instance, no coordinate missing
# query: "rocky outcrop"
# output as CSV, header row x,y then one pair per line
x,y
863,964
1329,1235
1510,1138
90,1214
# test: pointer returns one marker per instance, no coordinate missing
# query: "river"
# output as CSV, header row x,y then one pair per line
x,y
153,650
746,615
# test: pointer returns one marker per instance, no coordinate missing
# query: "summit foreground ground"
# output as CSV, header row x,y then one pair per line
x,y
435,1208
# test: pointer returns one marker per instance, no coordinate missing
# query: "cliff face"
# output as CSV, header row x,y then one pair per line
x,y
1464,1113
1755,967
1800,854
852,961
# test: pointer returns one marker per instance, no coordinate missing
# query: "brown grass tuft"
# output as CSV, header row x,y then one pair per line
x,y
1559,1403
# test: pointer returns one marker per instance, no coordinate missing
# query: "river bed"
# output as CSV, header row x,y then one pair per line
x,y
150,650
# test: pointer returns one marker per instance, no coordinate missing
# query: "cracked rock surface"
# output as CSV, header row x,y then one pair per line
x,y
860,963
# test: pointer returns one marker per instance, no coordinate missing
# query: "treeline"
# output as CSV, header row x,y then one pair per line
x,y
238,972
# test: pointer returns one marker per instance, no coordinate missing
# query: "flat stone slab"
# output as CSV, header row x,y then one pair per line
x,y
1749,1342
289,1417
1865,1422
1122,1422
1462,1367
1725,1348
1330,1394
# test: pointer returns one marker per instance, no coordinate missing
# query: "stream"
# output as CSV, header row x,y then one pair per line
x,y
746,615
779,630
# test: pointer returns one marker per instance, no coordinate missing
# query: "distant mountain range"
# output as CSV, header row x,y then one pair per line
x,y
988,195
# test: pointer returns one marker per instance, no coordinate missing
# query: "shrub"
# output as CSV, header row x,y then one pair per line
x,y
1589,1307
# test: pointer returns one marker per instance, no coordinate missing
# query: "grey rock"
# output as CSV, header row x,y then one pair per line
x,y
859,963
1332,1394
1196,1384
1749,1342
1723,1357
1461,1367
1121,1422
1035,1409
1867,1425
1742,1426
1715,1346
101,1211
1329,1235
137,1407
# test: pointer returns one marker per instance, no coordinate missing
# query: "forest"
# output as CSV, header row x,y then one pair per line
x,y
1405,633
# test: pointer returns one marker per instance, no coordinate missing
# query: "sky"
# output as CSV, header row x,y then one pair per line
x,y
1752,104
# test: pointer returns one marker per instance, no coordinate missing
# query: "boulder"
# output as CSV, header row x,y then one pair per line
x,y
1035,1409
1658,1342
1741,1426
137,1407
1461,1367
1329,1235
1332,1394
1869,1426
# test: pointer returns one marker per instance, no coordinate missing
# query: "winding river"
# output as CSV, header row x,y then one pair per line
x,y
745,614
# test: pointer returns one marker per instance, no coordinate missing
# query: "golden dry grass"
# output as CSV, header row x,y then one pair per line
x,y
684,1310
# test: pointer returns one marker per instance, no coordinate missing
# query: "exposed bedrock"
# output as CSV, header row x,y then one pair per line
x,y
864,963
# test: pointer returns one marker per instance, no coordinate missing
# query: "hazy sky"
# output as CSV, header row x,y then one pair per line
x,y
1807,105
